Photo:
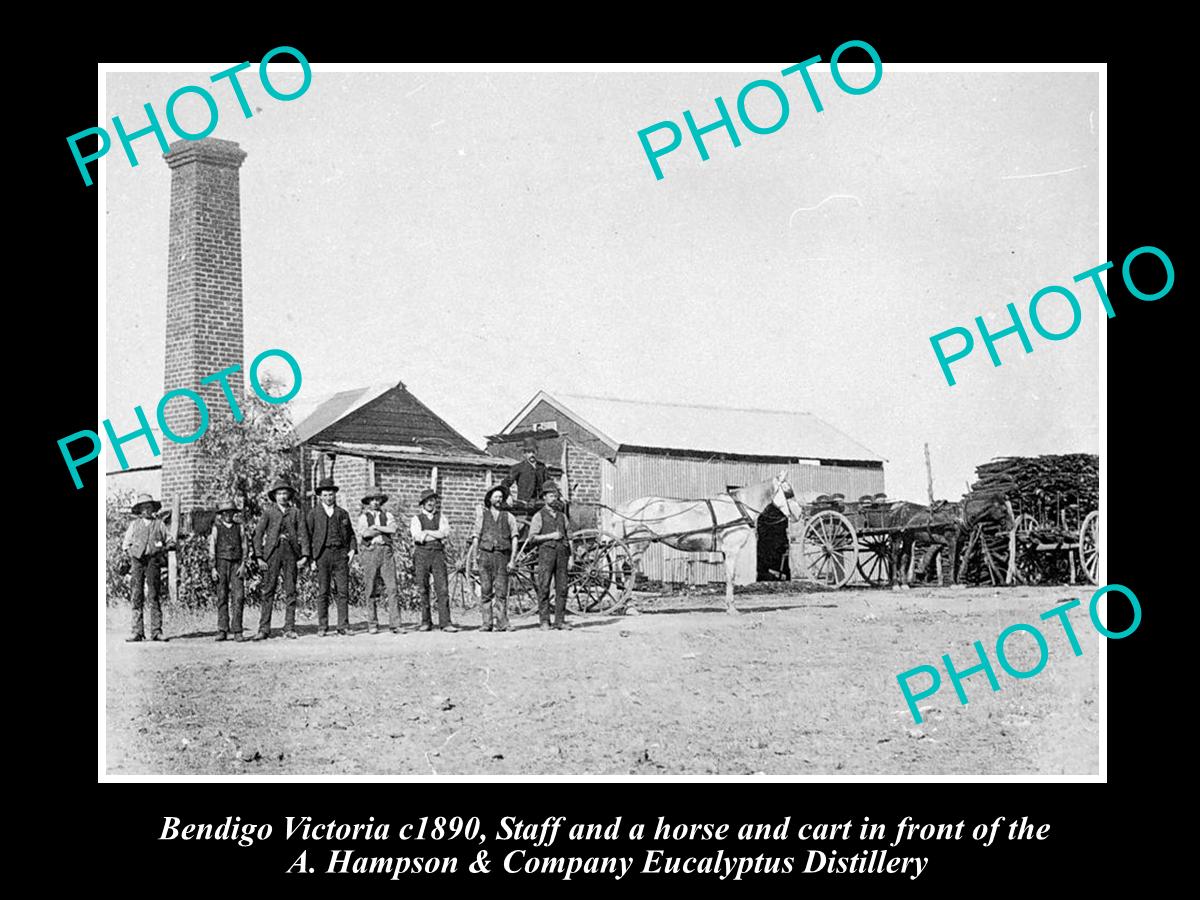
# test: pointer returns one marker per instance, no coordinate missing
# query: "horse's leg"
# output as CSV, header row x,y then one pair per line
x,y
731,549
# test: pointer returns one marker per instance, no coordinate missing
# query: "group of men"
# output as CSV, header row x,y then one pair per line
x,y
286,539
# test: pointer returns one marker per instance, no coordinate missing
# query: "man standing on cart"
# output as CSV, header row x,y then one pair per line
x,y
528,475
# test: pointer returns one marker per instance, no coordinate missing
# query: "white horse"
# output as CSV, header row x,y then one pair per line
x,y
721,524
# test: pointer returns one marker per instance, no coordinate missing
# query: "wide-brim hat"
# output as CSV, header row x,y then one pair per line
x,y
278,486
487,495
375,491
427,494
227,504
550,488
142,500
327,484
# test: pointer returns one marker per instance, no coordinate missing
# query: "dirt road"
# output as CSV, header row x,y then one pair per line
x,y
798,684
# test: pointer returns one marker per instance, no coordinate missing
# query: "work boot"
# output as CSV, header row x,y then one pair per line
x,y
221,636
240,638
322,632
449,629
260,636
291,635
158,636
372,629
425,626
134,638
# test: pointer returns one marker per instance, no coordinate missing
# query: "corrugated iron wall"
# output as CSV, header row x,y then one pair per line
x,y
645,475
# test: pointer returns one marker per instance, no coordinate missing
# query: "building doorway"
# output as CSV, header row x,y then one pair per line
x,y
773,563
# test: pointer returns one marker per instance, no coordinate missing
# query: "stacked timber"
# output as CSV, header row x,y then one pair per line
x,y
1042,486
1057,491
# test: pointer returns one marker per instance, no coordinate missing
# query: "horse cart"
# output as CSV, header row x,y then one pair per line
x,y
1050,540
872,538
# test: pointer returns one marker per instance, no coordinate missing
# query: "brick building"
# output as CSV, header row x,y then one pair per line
x,y
615,450
386,435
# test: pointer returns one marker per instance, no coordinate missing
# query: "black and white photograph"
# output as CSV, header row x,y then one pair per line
x,y
501,421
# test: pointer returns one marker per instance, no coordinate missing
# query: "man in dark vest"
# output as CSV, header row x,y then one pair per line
x,y
528,475
495,538
376,531
430,529
281,544
227,547
332,540
549,531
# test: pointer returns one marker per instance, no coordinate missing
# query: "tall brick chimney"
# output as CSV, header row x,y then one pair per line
x,y
204,301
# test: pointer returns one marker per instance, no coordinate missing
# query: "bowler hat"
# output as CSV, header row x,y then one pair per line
x,y
529,444
375,491
142,500
487,495
426,494
550,488
279,485
227,504
327,484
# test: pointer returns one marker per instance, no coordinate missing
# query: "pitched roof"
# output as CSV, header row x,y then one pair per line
x,y
381,416
705,428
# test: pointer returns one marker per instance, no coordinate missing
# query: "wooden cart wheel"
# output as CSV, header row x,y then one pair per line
x,y
875,558
1026,525
829,548
1089,546
522,587
464,585
600,572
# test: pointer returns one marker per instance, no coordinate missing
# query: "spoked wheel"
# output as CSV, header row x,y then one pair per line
x,y
829,548
875,558
600,572
522,587
1089,546
1026,525
464,584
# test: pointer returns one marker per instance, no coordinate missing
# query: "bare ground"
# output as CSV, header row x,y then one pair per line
x,y
798,684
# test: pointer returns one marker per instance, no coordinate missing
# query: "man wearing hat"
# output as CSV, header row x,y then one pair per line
x,y
332,540
495,536
281,544
550,532
528,475
376,531
226,546
144,543
429,530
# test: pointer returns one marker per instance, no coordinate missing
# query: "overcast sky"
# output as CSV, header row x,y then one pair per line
x,y
485,236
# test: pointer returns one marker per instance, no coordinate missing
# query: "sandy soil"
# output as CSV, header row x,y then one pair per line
x,y
798,684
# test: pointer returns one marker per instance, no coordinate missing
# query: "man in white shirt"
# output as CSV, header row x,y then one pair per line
x,y
430,529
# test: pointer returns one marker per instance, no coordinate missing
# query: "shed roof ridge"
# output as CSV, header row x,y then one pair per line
x,y
757,409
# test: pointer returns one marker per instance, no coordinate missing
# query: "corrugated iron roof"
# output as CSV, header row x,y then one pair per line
x,y
712,429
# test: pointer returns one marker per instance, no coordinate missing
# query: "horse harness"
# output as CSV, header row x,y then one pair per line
x,y
744,519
